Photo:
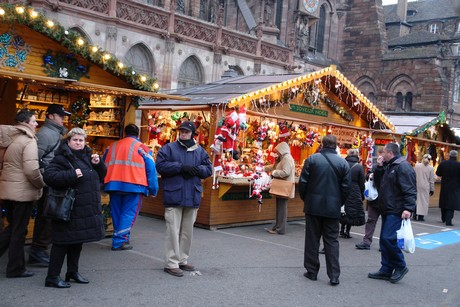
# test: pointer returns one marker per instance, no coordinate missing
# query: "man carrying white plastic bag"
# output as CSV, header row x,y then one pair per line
x,y
397,201
405,236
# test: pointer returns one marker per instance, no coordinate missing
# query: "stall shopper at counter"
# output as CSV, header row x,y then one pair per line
x,y
284,168
182,164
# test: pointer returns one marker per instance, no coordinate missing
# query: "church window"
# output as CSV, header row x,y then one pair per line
x,y
190,73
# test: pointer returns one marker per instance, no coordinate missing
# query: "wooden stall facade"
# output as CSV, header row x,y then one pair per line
x,y
338,108
42,63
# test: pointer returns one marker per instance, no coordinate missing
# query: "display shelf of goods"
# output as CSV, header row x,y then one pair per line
x,y
104,101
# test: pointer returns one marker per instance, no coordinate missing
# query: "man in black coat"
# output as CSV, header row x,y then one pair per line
x,y
449,197
323,186
397,196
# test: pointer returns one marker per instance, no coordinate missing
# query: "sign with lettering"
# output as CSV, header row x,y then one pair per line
x,y
344,136
382,141
307,110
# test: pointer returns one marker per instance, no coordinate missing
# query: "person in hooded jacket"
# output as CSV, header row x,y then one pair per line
x,y
284,168
182,165
354,210
74,165
21,184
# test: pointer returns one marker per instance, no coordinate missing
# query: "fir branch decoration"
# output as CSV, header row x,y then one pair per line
x,y
338,109
61,65
26,15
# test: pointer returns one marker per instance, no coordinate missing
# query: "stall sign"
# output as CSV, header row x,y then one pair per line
x,y
243,196
345,136
307,110
382,142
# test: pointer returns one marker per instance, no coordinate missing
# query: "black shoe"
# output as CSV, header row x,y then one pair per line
x,y
398,275
77,277
346,236
449,224
379,275
334,281
420,218
310,276
38,258
23,274
56,282
123,247
362,245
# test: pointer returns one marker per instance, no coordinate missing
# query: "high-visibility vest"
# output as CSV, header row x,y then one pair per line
x,y
124,163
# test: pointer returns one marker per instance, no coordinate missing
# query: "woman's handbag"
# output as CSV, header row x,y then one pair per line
x,y
281,188
58,204
405,237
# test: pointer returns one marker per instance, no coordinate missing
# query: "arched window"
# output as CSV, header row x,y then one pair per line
x,y
140,58
180,6
408,102
82,34
190,73
399,101
321,30
372,97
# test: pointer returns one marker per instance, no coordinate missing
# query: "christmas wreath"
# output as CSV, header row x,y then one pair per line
x,y
80,112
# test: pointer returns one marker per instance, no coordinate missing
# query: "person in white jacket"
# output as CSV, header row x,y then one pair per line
x,y
425,186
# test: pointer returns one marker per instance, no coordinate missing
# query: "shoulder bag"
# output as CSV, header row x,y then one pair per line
x,y
59,203
281,188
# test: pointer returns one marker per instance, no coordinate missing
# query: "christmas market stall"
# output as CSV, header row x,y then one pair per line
x,y
41,63
419,135
241,119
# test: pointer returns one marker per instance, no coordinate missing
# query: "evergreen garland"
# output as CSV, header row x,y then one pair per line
x,y
80,112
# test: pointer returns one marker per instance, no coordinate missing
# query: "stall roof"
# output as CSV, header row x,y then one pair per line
x,y
220,91
407,124
248,90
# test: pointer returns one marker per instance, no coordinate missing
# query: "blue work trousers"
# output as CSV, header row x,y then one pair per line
x,y
124,208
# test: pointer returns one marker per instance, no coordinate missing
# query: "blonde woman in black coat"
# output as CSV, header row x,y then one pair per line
x,y
75,166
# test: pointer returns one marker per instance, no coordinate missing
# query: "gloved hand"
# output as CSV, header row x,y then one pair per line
x,y
195,171
431,193
186,169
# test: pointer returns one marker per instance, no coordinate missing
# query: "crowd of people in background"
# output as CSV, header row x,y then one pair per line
x,y
331,187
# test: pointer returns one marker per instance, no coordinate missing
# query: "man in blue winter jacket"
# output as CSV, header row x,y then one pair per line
x,y
182,165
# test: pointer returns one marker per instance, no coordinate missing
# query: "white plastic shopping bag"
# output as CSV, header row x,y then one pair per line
x,y
405,236
370,191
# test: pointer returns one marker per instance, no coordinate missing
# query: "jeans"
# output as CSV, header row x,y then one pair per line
x,y
392,257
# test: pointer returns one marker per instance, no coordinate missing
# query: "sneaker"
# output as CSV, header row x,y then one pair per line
x,y
398,275
123,247
363,245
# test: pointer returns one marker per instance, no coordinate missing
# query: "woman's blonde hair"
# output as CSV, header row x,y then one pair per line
x,y
76,131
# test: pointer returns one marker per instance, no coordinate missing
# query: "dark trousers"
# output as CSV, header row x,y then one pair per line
x,y
315,227
372,218
13,236
42,227
281,215
392,257
58,253
447,215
